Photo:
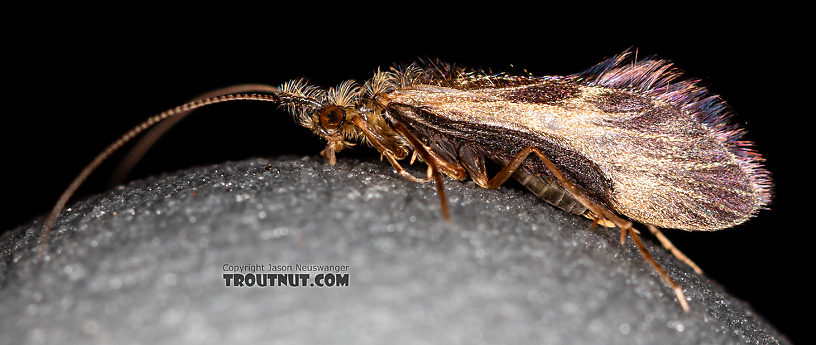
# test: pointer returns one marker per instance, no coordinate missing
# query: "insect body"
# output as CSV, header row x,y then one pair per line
x,y
619,140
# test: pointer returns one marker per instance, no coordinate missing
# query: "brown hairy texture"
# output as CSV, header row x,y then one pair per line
x,y
543,93
658,152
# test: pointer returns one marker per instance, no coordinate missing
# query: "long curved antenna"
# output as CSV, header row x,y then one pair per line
x,y
147,141
182,109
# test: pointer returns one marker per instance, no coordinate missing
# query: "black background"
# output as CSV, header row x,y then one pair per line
x,y
78,84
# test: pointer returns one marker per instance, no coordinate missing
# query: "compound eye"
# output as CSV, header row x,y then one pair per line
x,y
332,117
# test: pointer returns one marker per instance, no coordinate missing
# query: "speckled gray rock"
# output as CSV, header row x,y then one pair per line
x,y
144,264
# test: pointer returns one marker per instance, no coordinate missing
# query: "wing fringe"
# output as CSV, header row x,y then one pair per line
x,y
660,79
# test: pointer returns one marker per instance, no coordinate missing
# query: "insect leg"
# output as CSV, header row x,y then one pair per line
x,y
433,170
426,156
452,169
474,163
598,220
624,225
598,212
678,291
672,249
380,145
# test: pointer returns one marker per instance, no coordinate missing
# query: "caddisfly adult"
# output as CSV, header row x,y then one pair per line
x,y
623,140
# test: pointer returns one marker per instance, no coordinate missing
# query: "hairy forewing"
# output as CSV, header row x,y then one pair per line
x,y
655,151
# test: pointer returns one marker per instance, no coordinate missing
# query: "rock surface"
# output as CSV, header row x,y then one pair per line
x,y
144,264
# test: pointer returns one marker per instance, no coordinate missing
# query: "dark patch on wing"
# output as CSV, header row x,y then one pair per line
x,y
620,102
550,92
